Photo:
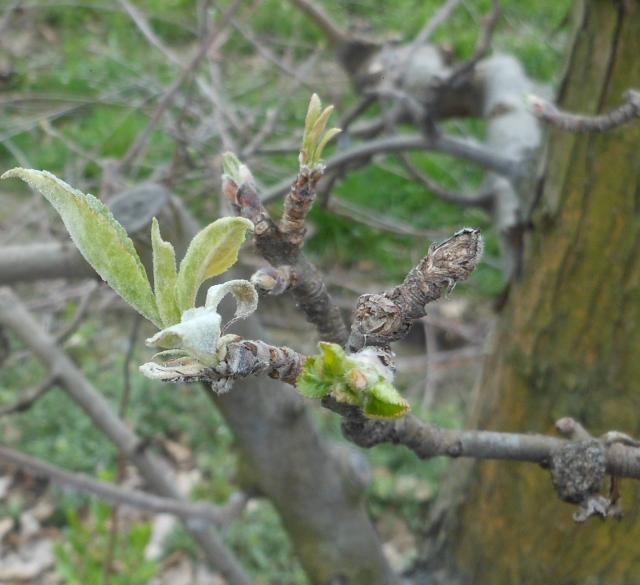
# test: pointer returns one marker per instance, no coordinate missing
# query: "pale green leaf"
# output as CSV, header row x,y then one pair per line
x,y
329,134
313,111
100,238
319,125
384,401
212,251
164,277
231,167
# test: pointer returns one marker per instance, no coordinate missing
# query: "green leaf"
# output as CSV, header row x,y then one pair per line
x,y
310,382
329,134
334,360
314,138
212,251
164,277
100,238
384,401
313,111
320,124
231,166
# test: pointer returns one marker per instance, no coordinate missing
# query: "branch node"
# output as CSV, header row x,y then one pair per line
x,y
578,470
572,429
272,281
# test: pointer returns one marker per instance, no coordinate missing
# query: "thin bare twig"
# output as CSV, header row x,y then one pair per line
x,y
81,312
145,28
483,47
122,462
627,112
482,199
202,513
382,222
29,397
459,147
139,145
435,22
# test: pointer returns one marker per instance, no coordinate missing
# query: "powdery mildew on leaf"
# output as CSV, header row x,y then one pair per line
x,y
102,241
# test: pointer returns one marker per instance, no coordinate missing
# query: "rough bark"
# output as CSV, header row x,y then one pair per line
x,y
568,341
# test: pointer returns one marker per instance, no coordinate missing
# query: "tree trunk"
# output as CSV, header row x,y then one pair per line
x,y
568,342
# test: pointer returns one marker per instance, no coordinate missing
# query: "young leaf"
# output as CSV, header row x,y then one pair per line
x,y
384,401
212,251
310,382
99,237
334,360
314,137
313,111
328,135
164,277
197,334
243,291
319,125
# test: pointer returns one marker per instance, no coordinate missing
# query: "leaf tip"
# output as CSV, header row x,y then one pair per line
x,y
11,173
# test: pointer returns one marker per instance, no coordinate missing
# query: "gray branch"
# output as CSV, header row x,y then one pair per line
x,y
275,246
457,147
547,112
203,513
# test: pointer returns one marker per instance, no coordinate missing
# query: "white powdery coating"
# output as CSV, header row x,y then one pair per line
x,y
197,334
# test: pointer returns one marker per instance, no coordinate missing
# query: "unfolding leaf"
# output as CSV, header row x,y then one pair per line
x,y
315,138
319,126
100,238
384,401
164,277
243,291
197,334
313,111
334,361
236,171
212,251
231,166
329,134
310,382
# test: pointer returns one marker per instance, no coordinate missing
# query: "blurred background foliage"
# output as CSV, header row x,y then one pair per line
x,y
78,83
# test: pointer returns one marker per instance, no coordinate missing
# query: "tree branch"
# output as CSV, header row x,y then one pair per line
x,y
307,285
458,147
139,145
547,112
380,319
483,198
428,440
29,397
199,512
483,47
241,359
